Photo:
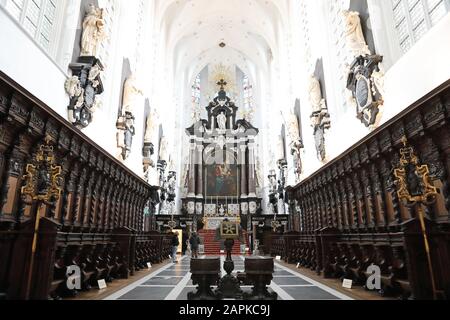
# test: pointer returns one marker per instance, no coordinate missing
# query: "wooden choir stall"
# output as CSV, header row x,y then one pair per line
x,y
65,203
351,214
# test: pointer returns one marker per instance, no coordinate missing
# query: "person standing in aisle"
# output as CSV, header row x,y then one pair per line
x,y
194,242
175,244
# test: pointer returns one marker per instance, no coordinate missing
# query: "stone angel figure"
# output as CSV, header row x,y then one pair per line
x,y
93,31
354,34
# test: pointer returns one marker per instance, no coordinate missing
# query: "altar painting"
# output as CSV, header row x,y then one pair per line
x,y
222,180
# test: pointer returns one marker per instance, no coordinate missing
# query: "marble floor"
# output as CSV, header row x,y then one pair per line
x,y
173,282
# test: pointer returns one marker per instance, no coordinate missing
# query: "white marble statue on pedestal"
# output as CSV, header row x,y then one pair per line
x,y
152,122
163,149
320,118
222,121
318,104
354,34
131,92
93,31
293,128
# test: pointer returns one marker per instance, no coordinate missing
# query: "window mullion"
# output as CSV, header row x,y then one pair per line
x,y
23,14
426,14
38,35
55,36
409,22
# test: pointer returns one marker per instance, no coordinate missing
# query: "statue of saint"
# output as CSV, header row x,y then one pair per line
x,y
93,31
130,94
293,128
315,94
280,148
163,149
354,34
128,134
222,121
152,121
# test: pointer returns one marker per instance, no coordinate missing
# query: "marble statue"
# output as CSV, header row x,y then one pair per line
x,y
125,133
129,133
152,122
163,149
293,127
354,34
222,121
280,148
131,92
93,31
298,165
315,95
320,118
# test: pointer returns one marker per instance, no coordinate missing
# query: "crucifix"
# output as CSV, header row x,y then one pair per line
x,y
222,83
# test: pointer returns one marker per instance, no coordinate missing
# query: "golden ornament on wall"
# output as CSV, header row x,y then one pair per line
x,y
416,191
42,178
413,179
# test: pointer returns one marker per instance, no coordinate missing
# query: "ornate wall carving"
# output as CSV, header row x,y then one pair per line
x,y
320,117
365,79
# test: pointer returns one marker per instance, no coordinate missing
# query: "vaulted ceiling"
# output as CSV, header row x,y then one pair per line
x,y
193,29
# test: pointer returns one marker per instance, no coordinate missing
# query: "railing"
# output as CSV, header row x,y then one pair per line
x,y
350,216
97,222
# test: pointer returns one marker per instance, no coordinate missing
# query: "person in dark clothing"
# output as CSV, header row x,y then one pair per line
x,y
184,243
175,244
194,241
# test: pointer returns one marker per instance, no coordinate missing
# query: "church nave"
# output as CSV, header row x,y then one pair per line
x,y
281,150
173,282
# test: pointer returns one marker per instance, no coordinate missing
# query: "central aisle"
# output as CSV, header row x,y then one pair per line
x,y
173,282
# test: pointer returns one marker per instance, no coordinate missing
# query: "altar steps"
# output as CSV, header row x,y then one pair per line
x,y
213,247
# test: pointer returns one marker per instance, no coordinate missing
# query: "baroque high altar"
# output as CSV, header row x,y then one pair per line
x,y
221,180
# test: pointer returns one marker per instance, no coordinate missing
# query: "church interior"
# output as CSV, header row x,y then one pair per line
x,y
254,150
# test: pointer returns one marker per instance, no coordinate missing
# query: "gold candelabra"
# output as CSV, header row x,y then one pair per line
x,y
415,190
